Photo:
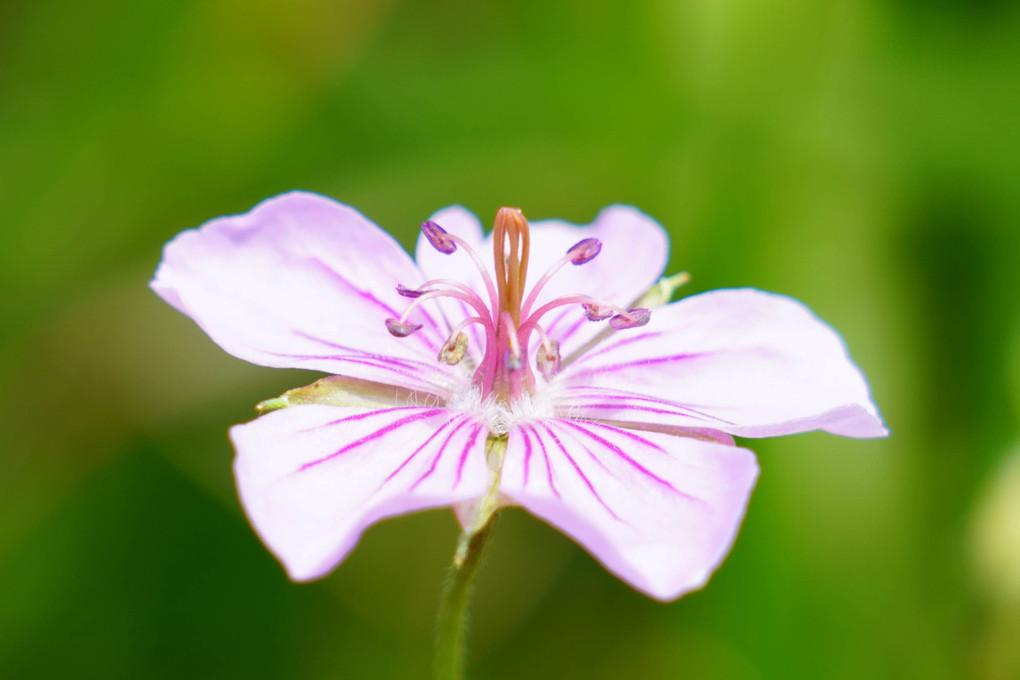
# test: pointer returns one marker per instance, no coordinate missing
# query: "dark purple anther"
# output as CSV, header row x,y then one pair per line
x,y
632,318
438,237
400,329
596,312
584,251
409,292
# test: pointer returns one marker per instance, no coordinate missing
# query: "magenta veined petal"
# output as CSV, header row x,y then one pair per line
x,y
303,281
313,478
659,511
745,362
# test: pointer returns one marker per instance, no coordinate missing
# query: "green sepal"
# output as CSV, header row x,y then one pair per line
x,y
487,506
662,292
337,390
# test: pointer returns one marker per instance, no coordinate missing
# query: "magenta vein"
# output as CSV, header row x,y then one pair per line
x,y
527,455
623,455
408,363
439,453
464,453
420,449
591,454
548,464
620,342
577,400
365,295
571,330
640,363
377,412
396,425
577,468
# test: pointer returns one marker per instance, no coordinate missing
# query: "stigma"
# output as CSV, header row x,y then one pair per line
x,y
508,313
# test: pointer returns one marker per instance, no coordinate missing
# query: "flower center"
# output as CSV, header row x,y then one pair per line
x,y
509,318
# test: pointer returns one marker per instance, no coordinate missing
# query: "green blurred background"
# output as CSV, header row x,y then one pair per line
x,y
862,156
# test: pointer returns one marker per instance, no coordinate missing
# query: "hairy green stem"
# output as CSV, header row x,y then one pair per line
x,y
452,624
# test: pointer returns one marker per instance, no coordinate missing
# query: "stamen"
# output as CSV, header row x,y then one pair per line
x,y
515,347
465,294
548,343
599,312
584,251
447,243
454,349
438,237
513,363
579,253
410,292
597,308
632,318
548,358
436,285
400,329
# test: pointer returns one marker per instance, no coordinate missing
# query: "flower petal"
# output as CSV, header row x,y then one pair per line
x,y
745,362
313,478
659,511
302,281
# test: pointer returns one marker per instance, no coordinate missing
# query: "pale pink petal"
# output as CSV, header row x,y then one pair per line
x,y
659,511
458,266
303,281
313,478
745,362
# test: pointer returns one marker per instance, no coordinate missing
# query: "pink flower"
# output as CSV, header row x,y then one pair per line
x,y
609,419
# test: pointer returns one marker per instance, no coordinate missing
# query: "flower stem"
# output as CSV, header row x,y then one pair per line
x,y
452,623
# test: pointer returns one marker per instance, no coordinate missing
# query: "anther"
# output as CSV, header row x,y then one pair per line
x,y
548,359
454,350
632,318
585,250
514,356
513,362
401,329
438,237
597,312
409,292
